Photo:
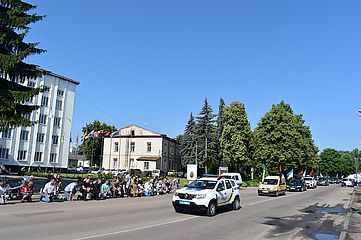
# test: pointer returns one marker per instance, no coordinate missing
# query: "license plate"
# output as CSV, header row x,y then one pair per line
x,y
293,188
265,191
184,203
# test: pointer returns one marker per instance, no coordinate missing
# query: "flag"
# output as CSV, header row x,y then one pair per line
x,y
300,173
263,172
290,174
311,173
114,133
337,175
321,174
304,173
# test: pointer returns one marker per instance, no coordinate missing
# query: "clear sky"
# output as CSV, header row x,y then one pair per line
x,y
151,63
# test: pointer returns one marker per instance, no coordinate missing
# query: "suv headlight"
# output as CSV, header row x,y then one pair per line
x,y
200,196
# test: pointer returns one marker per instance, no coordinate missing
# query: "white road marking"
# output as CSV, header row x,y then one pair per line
x,y
137,228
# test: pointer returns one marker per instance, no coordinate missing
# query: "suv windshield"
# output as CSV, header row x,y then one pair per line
x,y
295,181
270,181
205,184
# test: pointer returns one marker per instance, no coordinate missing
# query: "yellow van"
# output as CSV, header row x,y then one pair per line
x,y
273,185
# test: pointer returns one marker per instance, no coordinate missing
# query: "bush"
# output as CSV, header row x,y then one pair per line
x,y
251,183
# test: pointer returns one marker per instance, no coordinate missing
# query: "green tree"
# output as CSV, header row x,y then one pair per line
x,y
282,139
91,147
219,130
334,162
236,136
206,140
14,26
188,143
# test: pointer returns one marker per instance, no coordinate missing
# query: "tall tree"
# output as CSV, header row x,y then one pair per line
x,y
281,139
220,126
14,26
206,135
91,147
236,136
188,142
334,162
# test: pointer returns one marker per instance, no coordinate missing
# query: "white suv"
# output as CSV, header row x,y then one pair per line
x,y
310,182
206,195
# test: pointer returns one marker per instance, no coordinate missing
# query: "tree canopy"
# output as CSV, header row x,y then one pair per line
x,y
14,27
91,147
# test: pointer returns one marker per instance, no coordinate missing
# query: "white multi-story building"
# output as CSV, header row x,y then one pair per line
x,y
46,144
134,147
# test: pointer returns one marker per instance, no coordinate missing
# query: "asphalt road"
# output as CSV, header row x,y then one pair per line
x,y
294,216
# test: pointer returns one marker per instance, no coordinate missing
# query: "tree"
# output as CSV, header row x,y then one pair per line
x,y
14,26
188,142
206,135
219,130
282,140
334,162
236,136
91,147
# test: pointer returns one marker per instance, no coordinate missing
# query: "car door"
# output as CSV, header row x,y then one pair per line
x,y
229,190
221,192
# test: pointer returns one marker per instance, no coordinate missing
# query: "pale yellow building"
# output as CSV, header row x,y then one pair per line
x,y
134,147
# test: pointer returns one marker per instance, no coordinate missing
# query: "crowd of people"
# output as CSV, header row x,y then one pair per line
x,y
89,188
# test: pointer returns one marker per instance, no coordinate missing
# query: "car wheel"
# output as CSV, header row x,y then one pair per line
x,y
178,210
276,194
211,210
236,203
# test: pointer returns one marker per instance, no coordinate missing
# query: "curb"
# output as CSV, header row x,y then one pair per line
x,y
343,233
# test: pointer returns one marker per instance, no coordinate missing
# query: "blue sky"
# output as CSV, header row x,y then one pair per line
x,y
151,63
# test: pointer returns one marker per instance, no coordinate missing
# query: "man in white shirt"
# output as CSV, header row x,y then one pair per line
x,y
49,191
70,190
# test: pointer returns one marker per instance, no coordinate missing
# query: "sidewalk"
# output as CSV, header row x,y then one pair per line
x,y
354,228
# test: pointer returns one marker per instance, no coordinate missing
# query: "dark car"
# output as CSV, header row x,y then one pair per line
x,y
323,181
297,185
334,180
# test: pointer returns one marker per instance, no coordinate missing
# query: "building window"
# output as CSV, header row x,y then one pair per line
x,y
59,104
24,135
46,89
116,147
31,84
115,163
44,101
6,133
57,121
146,165
27,116
40,137
21,155
4,153
30,100
132,162
132,146
55,139
149,146
132,133
42,119
52,157
38,156
60,93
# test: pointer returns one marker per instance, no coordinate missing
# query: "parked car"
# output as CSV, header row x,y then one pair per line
x,y
96,170
310,182
235,176
334,180
297,184
157,173
272,185
347,182
322,181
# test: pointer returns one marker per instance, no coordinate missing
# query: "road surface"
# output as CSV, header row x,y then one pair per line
x,y
294,216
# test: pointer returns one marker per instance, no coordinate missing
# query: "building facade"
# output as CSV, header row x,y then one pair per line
x,y
46,144
134,147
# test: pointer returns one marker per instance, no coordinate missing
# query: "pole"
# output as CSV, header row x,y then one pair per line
x,y
110,150
119,147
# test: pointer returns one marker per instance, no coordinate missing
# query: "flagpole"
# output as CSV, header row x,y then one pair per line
x,y
110,150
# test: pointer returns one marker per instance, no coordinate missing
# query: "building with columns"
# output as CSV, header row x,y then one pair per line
x,y
46,144
134,147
